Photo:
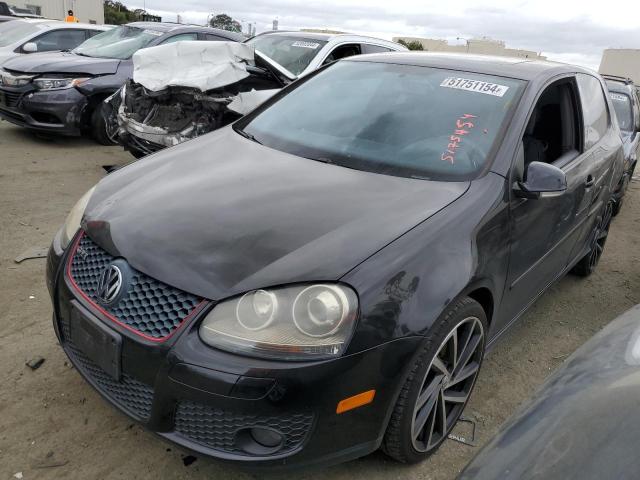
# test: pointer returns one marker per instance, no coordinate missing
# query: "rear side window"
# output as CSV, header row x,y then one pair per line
x,y
93,33
180,38
215,38
594,108
366,48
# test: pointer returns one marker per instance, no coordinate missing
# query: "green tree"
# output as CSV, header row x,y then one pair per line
x,y
412,45
225,22
116,13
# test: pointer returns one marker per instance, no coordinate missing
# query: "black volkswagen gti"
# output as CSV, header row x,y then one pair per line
x,y
323,277
626,105
62,92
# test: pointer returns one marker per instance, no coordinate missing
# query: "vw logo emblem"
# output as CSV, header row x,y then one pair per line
x,y
109,284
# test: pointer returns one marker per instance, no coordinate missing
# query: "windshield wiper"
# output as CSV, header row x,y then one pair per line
x,y
249,136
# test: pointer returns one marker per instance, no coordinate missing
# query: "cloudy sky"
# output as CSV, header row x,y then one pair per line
x,y
564,30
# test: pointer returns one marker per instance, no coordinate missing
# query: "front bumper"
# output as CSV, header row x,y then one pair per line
x,y
58,111
206,400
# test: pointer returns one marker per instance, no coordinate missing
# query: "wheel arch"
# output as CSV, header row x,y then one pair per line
x,y
485,298
92,101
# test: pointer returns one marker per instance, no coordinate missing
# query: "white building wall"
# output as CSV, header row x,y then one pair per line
x,y
623,62
88,11
483,46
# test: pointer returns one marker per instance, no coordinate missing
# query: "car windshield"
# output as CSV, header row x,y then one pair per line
x,y
120,42
290,51
16,30
398,120
624,112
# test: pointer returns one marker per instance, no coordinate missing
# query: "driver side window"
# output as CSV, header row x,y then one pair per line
x,y
553,131
343,51
60,40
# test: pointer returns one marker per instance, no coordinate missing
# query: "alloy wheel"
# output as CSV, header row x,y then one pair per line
x,y
600,236
447,384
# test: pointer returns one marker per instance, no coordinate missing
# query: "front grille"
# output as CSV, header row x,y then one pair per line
x,y
131,394
217,429
149,306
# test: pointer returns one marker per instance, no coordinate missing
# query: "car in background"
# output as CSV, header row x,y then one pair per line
x,y
626,104
582,423
16,12
30,36
6,18
322,277
149,116
62,93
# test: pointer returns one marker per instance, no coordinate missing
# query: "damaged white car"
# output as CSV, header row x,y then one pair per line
x,y
182,90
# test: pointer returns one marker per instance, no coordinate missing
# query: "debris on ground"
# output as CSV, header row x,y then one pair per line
x,y
188,460
469,440
54,464
110,168
35,363
32,253
17,475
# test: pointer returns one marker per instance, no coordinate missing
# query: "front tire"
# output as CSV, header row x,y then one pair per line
x,y
439,385
101,129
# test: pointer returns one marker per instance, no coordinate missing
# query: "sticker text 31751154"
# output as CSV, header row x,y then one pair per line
x,y
475,86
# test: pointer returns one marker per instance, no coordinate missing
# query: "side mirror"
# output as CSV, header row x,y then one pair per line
x,y
542,180
30,47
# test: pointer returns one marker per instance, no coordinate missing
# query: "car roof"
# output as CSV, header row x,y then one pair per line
x,y
513,67
328,36
168,27
45,23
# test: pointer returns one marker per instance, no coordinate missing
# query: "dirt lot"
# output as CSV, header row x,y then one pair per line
x,y
53,425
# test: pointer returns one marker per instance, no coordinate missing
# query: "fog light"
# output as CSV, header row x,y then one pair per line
x,y
266,438
259,441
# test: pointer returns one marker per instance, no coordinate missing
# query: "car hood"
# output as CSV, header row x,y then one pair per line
x,y
220,215
62,62
582,423
6,55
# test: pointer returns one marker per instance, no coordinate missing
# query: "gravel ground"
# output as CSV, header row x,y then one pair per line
x,y
53,425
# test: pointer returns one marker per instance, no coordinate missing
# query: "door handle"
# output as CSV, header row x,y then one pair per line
x,y
590,181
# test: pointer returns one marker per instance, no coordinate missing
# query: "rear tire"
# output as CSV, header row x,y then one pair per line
x,y
617,206
100,129
587,265
439,384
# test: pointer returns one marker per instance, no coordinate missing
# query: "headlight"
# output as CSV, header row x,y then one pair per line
x,y
291,323
72,223
57,83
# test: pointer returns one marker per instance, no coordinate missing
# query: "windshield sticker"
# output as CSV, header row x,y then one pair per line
x,y
302,44
475,86
464,125
152,32
618,97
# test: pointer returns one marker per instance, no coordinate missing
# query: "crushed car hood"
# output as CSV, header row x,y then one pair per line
x,y
220,215
62,62
200,65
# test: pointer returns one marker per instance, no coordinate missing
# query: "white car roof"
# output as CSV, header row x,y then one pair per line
x,y
338,37
48,24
